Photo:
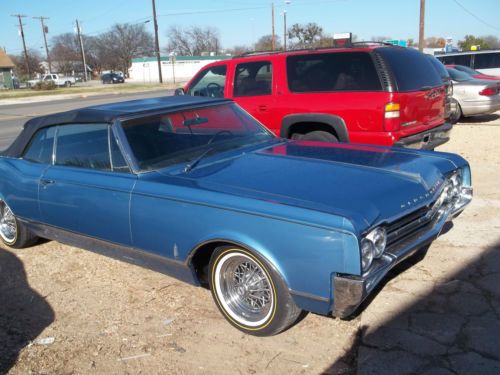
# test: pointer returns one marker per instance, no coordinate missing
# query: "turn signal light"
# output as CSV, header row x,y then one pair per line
x,y
392,110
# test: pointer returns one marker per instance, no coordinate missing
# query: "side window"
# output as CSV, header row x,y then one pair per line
x,y
252,79
347,71
118,163
83,146
41,146
487,60
210,82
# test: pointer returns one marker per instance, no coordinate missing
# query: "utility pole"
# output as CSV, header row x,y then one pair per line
x,y
82,51
273,41
45,30
21,31
284,30
421,26
157,43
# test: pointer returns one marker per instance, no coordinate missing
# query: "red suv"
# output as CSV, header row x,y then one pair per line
x,y
367,93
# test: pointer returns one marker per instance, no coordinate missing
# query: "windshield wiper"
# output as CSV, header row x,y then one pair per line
x,y
196,160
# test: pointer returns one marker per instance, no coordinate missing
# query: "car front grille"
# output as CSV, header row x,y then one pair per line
x,y
412,224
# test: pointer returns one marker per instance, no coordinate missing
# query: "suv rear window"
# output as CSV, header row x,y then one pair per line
x,y
346,71
412,69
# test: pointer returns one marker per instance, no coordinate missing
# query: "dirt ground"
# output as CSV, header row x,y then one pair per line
x,y
64,310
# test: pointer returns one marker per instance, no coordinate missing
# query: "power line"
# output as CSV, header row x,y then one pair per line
x,y
476,17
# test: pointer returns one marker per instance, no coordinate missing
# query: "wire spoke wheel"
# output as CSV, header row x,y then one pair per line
x,y
244,289
8,225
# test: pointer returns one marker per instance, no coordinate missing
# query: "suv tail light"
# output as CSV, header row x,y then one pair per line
x,y
392,110
489,91
391,116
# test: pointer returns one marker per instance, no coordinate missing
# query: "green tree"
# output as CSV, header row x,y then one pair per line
x,y
265,43
303,36
471,40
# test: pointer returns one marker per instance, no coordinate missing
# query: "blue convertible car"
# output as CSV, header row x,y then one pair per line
x,y
197,189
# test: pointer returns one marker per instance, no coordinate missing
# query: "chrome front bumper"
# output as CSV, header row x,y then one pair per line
x,y
349,291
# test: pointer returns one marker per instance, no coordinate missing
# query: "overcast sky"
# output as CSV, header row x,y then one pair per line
x,y
242,22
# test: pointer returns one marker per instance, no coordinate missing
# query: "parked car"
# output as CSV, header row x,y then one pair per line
x,y
473,96
112,78
474,73
369,93
196,188
56,78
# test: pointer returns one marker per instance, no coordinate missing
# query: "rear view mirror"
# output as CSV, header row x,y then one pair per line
x,y
179,91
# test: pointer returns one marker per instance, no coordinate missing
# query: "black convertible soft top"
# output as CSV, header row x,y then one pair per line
x,y
105,113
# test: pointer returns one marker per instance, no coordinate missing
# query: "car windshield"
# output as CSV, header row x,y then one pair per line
x,y
459,76
438,65
466,69
181,137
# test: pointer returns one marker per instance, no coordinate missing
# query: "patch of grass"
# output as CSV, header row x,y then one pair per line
x,y
97,89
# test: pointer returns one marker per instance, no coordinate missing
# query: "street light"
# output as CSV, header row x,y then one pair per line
x,y
287,2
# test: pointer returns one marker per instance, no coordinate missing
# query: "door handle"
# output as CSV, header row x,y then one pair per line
x,y
44,182
262,108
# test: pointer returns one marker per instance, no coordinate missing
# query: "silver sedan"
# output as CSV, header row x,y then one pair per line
x,y
473,96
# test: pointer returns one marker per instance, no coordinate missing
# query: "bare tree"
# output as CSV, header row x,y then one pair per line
x,y
238,50
34,60
193,41
303,36
380,38
435,42
65,53
122,43
492,41
265,43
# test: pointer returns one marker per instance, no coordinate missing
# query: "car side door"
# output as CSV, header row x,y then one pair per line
x,y
210,82
87,189
253,89
23,175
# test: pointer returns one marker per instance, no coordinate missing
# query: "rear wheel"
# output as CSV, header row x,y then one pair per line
x,y
13,233
320,136
457,114
249,293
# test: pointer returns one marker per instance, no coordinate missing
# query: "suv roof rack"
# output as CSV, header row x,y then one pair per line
x,y
348,45
368,42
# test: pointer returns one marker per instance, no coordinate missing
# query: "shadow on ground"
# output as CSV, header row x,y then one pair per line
x,y
454,329
24,314
479,119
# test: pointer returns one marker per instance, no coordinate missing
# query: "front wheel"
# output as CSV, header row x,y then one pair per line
x,y
13,233
249,293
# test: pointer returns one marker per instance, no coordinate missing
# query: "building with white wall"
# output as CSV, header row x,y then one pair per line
x,y
145,69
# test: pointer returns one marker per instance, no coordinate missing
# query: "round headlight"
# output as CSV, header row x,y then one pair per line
x,y
378,238
366,254
456,185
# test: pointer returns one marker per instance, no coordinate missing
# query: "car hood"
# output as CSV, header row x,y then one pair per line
x,y
365,184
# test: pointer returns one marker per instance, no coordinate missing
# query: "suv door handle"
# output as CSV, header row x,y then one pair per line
x,y
262,108
44,182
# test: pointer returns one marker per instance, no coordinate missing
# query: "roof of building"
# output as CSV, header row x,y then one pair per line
x,y
106,113
5,60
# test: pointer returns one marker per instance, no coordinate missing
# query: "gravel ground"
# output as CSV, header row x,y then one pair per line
x,y
68,311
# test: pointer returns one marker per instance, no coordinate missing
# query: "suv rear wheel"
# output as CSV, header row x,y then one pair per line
x,y
320,136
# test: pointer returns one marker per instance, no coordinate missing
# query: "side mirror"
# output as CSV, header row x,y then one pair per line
x,y
179,91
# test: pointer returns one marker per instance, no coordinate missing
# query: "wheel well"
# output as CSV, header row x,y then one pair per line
x,y
201,258
307,127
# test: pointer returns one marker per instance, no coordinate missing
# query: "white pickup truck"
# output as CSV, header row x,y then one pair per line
x,y
56,78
